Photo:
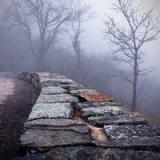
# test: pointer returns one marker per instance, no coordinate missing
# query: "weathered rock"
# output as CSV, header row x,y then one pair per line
x,y
55,81
114,103
56,98
96,97
91,91
49,83
134,136
60,80
38,156
95,111
48,138
109,119
52,90
71,86
55,110
58,124
49,125
53,123
90,153
44,74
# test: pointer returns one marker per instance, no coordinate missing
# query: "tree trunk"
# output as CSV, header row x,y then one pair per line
x,y
78,61
135,82
134,97
40,62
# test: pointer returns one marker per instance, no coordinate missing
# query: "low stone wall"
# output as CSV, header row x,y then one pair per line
x,y
83,124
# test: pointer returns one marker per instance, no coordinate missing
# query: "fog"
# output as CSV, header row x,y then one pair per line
x,y
97,65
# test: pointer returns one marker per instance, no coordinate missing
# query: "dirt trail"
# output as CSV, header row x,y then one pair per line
x,y
16,101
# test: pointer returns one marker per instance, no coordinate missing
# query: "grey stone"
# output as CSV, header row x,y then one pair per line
x,y
71,86
53,122
52,90
95,111
90,153
65,81
44,74
49,83
56,98
136,136
119,120
38,156
55,110
48,138
58,124
91,91
114,103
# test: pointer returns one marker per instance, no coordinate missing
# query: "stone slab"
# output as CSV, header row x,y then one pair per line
x,y
58,124
52,90
95,153
98,104
72,86
136,136
56,98
49,83
44,74
53,122
91,91
96,97
109,119
61,80
48,138
95,111
55,110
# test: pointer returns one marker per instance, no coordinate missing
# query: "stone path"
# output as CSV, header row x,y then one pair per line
x,y
16,99
70,122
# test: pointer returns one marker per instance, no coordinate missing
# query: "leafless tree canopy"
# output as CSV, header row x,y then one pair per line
x,y
44,19
139,28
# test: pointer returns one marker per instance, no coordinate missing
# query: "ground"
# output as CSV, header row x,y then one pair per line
x,y
16,99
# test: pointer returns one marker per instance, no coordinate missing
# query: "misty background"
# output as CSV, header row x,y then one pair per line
x,y
97,65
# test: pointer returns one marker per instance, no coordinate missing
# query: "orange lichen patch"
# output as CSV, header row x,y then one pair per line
x,y
96,97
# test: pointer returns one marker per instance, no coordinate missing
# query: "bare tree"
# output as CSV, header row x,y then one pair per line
x,y
42,20
129,37
83,13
